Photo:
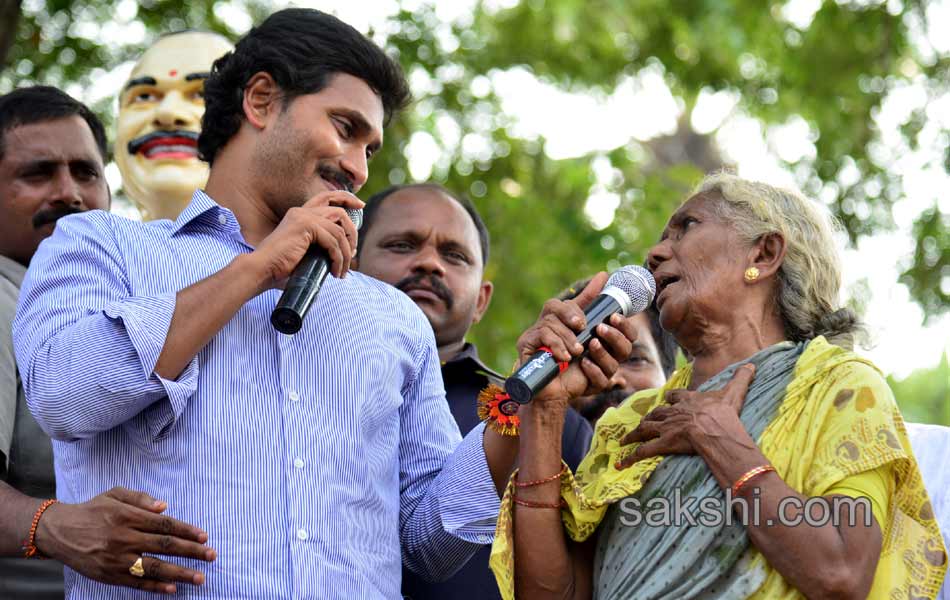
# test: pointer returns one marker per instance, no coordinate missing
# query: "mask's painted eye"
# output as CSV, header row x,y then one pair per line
x,y
143,96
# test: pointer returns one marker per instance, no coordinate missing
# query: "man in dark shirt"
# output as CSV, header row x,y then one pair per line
x,y
433,245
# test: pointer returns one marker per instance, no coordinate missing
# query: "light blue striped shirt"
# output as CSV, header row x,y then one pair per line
x,y
317,463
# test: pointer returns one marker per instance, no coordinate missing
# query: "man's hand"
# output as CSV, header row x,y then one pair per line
x,y
322,221
103,537
556,330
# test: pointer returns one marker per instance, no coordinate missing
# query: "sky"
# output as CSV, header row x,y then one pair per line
x,y
900,341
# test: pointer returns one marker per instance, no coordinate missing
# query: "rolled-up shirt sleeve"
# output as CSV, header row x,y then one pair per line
x,y
448,500
86,346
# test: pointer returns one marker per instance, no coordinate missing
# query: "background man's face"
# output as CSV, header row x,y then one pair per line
x,y
424,243
48,170
160,113
642,371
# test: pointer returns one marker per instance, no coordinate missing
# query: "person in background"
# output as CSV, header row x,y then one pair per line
x,y
433,245
52,156
649,366
932,448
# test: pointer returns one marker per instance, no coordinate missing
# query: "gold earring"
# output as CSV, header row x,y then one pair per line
x,y
751,274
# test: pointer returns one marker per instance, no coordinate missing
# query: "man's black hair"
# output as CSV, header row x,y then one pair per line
x,y
39,103
302,49
376,200
666,346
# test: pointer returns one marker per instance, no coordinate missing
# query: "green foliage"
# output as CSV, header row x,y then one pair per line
x,y
929,276
63,42
924,396
833,73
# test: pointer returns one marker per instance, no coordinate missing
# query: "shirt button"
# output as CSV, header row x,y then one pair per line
x,y
298,462
483,539
294,396
223,219
301,534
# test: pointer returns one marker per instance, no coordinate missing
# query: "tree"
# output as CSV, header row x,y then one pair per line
x,y
924,396
833,71
9,18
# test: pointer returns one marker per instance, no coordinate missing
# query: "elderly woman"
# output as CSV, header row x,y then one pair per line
x,y
773,411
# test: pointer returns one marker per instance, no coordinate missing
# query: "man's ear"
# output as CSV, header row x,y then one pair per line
x,y
484,299
767,254
262,98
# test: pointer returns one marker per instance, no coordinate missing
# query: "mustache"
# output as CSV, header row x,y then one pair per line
x,y
137,143
51,215
336,176
412,282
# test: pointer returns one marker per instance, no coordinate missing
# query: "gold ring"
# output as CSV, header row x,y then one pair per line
x,y
137,570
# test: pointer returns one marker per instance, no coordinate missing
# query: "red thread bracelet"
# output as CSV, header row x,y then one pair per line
x,y
531,504
30,549
554,477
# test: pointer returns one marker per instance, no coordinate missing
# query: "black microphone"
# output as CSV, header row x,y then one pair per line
x,y
629,290
304,284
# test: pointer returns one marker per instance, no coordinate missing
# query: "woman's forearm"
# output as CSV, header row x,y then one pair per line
x,y
831,560
544,566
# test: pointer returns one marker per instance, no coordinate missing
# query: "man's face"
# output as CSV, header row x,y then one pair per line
x,y
48,170
317,142
642,371
424,243
160,112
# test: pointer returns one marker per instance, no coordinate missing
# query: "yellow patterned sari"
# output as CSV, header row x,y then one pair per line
x,y
838,419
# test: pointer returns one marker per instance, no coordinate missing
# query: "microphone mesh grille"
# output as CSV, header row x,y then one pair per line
x,y
356,215
637,283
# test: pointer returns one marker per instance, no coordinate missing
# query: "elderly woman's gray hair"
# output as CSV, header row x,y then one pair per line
x,y
810,276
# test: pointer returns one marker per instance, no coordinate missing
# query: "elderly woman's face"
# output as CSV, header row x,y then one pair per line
x,y
698,266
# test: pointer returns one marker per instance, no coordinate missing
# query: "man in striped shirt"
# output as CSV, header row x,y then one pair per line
x,y
52,157
317,463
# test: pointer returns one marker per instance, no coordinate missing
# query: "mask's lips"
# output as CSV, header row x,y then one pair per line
x,y
177,144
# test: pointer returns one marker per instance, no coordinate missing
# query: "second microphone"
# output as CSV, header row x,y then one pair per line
x,y
629,290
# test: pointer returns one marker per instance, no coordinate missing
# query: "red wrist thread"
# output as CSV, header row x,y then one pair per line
x,y
555,477
531,504
29,548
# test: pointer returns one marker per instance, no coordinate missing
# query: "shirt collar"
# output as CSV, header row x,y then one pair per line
x,y
469,354
202,209
12,270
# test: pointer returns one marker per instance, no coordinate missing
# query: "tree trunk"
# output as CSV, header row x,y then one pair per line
x,y
9,17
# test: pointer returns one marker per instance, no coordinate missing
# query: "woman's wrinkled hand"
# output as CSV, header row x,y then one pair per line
x,y
556,330
675,428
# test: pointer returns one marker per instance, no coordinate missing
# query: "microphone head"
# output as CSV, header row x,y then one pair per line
x,y
633,286
356,215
